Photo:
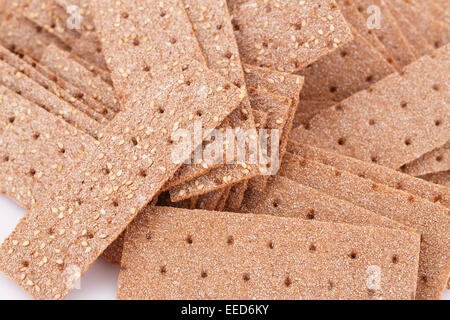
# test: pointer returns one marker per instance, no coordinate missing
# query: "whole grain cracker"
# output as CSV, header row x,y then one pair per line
x,y
63,65
307,109
33,91
209,200
277,109
51,82
374,172
351,68
287,35
433,161
389,33
36,146
441,178
223,200
409,110
176,254
430,219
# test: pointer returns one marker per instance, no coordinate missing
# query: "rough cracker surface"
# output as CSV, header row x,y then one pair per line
x,y
287,35
374,172
177,254
307,109
277,109
430,219
18,82
351,68
441,178
36,146
51,82
223,200
434,161
209,200
409,110
389,33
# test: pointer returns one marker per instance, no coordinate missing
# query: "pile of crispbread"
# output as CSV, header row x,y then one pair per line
x,y
356,205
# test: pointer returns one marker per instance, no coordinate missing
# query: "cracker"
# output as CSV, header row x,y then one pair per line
x,y
420,44
286,198
408,110
374,172
36,146
209,200
389,33
33,91
445,6
307,109
277,108
48,80
431,29
235,256
441,178
356,20
61,63
287,35
430,219
223,200
433,161
351,68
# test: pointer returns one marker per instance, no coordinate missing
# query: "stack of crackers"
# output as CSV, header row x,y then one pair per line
x,y
91,92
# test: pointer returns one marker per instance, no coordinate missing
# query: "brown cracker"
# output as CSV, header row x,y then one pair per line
x,y
209,200
33,91
287,35
430,219
374,172
307,109
63,65
389,33
51,82
351,68
433,161
408,110
36,146
441,178
277,108
235,256
223,200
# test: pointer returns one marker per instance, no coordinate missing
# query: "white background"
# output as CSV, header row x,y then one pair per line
x,y
98,283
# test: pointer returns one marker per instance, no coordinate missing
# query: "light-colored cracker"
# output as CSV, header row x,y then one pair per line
x,y
51,82
18,82
349,69
374,172
442,178
287,35
389,33
410,111
277,109
36,146
430,219
178,254
433,161
63,65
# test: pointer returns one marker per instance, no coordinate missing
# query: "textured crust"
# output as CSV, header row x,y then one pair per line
x,y
374,172
430,219
287,35
223,200
277,109
210,200
442,178
349,69
389,33
178,254
434,161
408,110
308,109
18,82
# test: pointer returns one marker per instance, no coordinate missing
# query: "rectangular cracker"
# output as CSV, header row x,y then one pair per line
x,y
409,110
216,255
141,163
286,198
307,109
51,82
277,108
433,161
436,32
389,33
16,81
63,65
441,178
374,172
287,35
36,146
351,68
357,21
430,219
